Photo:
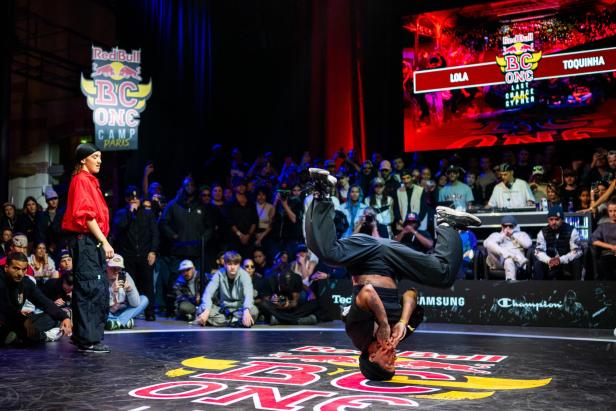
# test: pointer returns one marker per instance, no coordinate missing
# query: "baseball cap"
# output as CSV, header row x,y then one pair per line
x,y
116,261
538,170
64,253
556,211
185,265
453,169
50,193
131,192
378,181
301,248
509,219
411,217
20,240
367,164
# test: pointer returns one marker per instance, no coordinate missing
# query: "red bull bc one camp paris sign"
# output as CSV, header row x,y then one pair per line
x,y
116,97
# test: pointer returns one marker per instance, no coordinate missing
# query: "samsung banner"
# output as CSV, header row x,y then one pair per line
x,y
116,97
587,304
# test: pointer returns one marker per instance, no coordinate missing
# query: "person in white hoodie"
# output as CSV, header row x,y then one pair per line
x,y
507,248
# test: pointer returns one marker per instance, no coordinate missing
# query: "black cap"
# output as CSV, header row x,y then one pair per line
x,y
131,192
373,371
84,150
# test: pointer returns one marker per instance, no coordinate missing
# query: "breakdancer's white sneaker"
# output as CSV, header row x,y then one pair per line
x,y
323,182
456,219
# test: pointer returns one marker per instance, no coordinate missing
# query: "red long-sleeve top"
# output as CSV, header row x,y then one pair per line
x,y
85,202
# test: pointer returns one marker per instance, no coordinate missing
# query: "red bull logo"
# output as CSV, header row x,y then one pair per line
x,y
327,378
518,63
116,97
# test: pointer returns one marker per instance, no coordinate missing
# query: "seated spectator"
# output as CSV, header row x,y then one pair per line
x,y
60,291
584,199
43,266
5,241
553,197
507,248
260,260
188,289
235,302
125,303
19,244
471,181
469,251
65,265
558,252
571,190
28,221
9,216
49,325
281,263
282,303
413,237
538,183
257,280
511,192
303,265
604,238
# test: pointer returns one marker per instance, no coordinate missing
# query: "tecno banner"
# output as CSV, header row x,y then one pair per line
x,y
116,97
586,304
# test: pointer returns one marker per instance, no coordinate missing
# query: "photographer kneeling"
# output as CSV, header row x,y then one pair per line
x,y
125,303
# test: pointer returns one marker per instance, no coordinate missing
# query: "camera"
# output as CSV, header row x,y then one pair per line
x,y
122,276
282,300
284,194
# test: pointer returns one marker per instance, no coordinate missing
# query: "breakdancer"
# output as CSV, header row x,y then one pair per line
x,y
376,321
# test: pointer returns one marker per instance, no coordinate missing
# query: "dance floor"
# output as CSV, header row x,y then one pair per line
x,y
169,365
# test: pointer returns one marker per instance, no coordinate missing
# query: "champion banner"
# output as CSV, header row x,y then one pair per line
x,y
116,97
585,304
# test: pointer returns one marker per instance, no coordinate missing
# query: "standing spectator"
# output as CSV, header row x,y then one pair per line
x,y
87,219
611,164
136,233
29,220
44,267
538,184
570,191
398,166
266,213
50,223
471,181
291,211
187,226
239,167
598,168
469,252
188,289
14,291
8,219
523,166
558,253
455,190
604,238
125,303
511,192
242,219
212,247
354,208
235,299
391,182
410,198
382,204
487,178
584,199
366,175
553,197
216,167
507,248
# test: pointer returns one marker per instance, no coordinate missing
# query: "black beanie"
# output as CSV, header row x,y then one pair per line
x,y
84,150
372,370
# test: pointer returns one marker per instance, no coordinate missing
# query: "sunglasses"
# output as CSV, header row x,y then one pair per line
x,y
507,225
249,266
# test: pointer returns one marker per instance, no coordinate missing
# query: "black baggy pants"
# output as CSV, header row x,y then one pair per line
x,y
437,270
90,301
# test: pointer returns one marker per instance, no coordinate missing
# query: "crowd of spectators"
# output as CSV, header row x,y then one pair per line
x,y
229,249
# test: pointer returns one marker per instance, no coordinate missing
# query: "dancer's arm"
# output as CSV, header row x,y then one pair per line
x,y
369,300
409,303
606,196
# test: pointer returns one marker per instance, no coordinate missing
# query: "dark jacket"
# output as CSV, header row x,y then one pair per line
x,y
183,293
13,295
28,225
186,223
50,230
135,233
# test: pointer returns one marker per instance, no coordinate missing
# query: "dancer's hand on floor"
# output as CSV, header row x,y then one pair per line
x,y
202,318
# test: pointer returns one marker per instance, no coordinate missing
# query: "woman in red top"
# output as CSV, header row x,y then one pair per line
x,y
87,219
